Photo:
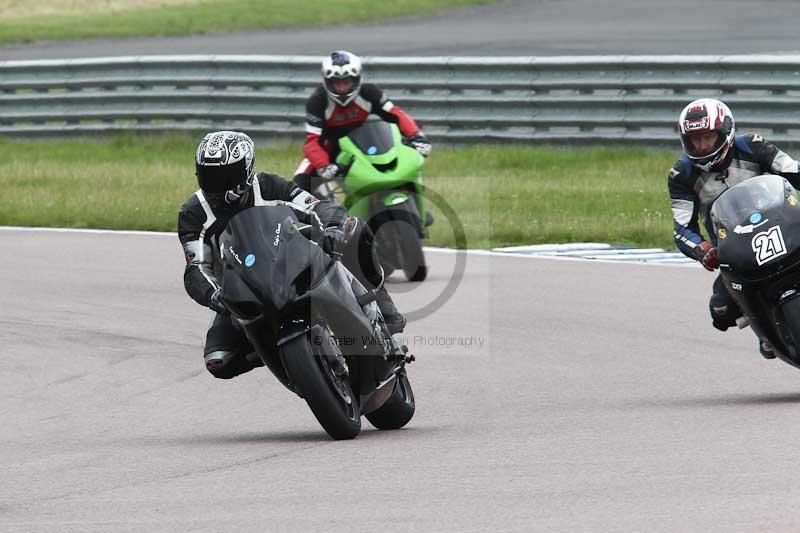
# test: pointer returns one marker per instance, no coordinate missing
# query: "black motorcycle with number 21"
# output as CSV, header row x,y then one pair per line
x,y
757,223
313,324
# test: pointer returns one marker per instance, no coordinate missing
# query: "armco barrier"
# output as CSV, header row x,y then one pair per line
x,y
604,99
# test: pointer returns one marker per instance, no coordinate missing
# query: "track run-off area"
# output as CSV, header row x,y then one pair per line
x,y
506,28
551,395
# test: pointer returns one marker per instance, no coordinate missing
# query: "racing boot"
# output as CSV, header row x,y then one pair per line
x,y
766,349
395,322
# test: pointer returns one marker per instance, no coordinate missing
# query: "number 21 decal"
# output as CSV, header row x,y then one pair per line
x,y
768,245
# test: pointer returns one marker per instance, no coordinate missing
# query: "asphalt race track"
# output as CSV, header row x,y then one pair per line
x,y
518,27
593,397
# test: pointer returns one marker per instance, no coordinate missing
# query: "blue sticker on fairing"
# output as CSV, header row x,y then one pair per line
x,y
250,260
372,150
755,218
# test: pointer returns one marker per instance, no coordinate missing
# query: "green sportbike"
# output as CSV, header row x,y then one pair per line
x,y
382,184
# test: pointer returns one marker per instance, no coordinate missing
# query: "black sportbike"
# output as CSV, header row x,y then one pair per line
x,y
757,223
313,324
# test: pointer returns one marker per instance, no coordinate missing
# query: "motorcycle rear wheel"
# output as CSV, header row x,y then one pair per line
x,y
398,410
791,314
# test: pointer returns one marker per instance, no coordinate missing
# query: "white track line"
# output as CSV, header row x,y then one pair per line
x,y
492,253
95,231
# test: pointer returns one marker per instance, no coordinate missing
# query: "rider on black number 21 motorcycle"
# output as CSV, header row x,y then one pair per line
x,y
225,169
716,159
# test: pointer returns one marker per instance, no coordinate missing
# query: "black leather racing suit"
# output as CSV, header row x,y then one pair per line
x,y
692,193
199,228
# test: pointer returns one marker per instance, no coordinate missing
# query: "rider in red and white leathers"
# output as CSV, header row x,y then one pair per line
x,y
338,106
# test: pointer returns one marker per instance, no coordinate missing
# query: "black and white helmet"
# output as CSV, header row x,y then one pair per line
x,y
341,72
225,166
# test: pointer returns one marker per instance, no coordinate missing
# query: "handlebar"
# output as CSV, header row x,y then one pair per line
x,y
344,169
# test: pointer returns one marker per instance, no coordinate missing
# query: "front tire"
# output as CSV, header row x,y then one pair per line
x,y
329,397
398,410
411,254
399,243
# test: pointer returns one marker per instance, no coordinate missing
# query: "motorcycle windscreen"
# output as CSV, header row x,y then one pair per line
x,y
742,202
756,223
373,138
262,246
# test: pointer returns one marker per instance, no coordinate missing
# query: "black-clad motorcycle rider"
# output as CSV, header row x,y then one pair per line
x,y
225,169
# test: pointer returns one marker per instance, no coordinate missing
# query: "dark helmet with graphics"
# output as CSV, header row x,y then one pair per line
x,y
225,166
341,72
707,132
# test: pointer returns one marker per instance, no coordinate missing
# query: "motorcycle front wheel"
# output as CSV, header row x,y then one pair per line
x,y
413,258
329,396
399,243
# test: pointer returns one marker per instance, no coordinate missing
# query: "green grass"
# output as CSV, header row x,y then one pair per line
x,y
527,195
217,16
502,195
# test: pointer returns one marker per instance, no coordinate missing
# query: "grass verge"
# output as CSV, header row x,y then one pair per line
x,y
187,18
502,195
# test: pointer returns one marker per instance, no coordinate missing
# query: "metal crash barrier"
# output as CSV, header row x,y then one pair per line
x,y
603,99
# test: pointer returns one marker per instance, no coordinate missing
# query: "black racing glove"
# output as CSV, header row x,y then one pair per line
x,y
216,304
333,240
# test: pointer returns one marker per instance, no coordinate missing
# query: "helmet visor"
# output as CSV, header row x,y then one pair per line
x,y
341,86
217,179
703,143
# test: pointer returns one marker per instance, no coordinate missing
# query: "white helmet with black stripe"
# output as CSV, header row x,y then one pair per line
x,y
341,73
